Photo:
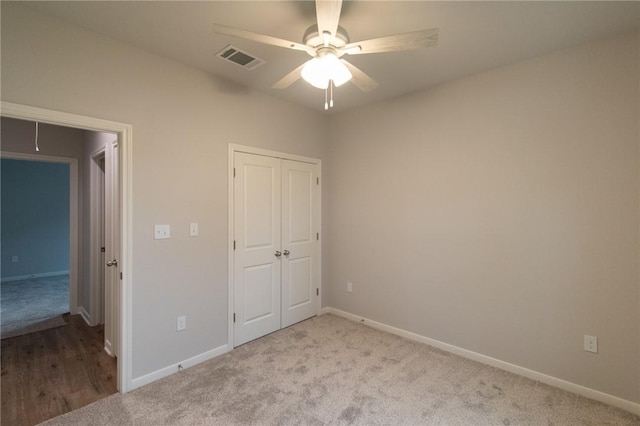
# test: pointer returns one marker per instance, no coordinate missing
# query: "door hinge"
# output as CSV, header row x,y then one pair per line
x,y
234,172
234,244
317,292
234,317
120,275
318,236
317,181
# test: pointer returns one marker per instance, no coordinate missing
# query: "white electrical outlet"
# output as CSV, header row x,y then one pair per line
x,y
349,287
14,259
591,344
181,323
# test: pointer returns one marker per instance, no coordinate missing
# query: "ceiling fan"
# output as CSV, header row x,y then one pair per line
x,y
327,42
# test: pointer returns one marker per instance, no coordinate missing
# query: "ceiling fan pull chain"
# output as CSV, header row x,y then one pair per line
x,y
326,105
331,101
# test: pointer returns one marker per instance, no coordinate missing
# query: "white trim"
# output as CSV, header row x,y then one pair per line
x,y
32,276
268,153
605,398
233,148
74,218
230,254
174,368
107,347
124,132
85,315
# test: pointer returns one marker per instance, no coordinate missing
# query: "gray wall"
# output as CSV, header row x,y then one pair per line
x,y
499,213
182,121
35,218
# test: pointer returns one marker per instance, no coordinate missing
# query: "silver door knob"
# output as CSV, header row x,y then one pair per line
x,y
113,262
286,252
278,253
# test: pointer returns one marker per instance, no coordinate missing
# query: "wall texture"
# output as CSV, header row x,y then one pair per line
x,y
182,121
35,218
499,213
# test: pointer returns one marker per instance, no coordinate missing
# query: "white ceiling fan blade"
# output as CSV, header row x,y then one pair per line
x,y
260,38
288,79
406,41
361,80
328,15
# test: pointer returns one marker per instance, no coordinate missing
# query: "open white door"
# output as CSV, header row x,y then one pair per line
x,y
112,250
96,237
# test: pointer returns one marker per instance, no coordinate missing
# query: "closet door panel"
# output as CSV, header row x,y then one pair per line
x,y
257,269
300,268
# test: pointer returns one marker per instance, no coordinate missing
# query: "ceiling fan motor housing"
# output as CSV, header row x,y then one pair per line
x,y
314,39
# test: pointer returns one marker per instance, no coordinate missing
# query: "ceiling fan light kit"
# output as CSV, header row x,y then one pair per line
x,y
319,71
326,42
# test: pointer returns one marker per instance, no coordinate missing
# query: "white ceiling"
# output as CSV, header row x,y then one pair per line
x,y
474,36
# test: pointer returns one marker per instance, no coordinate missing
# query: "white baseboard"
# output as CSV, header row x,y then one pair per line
x,y
605,398
108,346
85,315
167,371
27,277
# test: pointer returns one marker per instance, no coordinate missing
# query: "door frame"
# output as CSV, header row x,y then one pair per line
x,y
232,149
74,198
125,140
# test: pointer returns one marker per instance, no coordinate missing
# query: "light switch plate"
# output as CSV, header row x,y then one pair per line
x,y
162,232
193,229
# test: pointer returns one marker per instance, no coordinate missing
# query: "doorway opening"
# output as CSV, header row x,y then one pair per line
x,y
121,232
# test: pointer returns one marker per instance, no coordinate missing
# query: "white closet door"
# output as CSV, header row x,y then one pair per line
x,y
300,216
257,269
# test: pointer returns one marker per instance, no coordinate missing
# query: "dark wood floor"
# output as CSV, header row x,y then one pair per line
x,y
51,372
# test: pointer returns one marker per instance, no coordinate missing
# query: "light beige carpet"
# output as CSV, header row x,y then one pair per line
x,y
328,370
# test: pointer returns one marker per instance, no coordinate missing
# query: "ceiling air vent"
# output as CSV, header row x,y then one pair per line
x,y
240,58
